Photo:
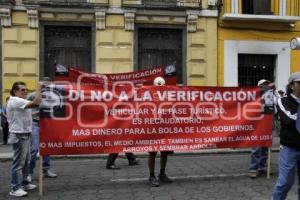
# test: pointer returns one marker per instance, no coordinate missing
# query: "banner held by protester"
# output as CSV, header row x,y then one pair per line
x,y
145,77
87,119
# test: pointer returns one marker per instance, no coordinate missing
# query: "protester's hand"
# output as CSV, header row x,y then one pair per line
x,y
272,85
36,114
39,86
38,92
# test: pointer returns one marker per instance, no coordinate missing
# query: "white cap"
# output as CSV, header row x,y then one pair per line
x,y
294,77
159,81
262,81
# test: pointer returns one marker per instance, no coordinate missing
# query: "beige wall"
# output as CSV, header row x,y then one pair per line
x,y
114,47
202,53
20,53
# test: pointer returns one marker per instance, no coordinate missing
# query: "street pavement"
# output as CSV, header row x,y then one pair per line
x,y
209,176
203,175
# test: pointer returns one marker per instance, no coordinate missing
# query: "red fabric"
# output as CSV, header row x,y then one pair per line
x,y
165,118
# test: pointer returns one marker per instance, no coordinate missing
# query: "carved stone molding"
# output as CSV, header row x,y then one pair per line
x,y
5,15
100,20
129,21
192,23
33,18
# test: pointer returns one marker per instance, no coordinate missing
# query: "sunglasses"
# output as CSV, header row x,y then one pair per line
x,y
23,90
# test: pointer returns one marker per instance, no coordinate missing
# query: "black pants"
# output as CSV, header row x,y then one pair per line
x,y
5,133
113,156
298,173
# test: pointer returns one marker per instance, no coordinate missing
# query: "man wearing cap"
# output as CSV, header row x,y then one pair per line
x,y
259,154
289,154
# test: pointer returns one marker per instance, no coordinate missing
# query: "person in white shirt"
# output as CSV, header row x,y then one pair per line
x,y
20,125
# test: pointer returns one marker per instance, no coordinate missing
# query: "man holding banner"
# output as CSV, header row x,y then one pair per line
x,y
289,138
259,154
159,81
35,139
20,126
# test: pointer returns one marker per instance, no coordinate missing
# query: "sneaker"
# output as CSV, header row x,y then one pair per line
x,y
153,181
164,178
252,173
29,186
18,193
29,178
49,174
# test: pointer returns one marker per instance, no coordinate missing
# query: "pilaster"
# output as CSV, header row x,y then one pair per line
x,y
100,19
5,15
129,21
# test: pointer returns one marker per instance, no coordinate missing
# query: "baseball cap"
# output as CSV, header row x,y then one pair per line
x,y
159,81
262,81
294,77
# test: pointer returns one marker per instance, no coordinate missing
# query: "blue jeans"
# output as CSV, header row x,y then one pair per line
x,y
34,149
258,158
20,164
288,161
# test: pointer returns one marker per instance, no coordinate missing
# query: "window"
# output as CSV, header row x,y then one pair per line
x,y
254,67
160,47
258,7
160,3
68,46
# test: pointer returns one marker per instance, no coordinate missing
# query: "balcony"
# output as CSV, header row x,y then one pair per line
x,y
287,11
163,4
69,3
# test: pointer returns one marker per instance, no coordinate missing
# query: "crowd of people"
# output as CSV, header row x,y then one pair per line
x,y
20,122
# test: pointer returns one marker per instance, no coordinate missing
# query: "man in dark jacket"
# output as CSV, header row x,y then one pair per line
x,y
289,138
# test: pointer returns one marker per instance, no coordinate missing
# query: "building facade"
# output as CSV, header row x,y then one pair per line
x,y
254,41
108,36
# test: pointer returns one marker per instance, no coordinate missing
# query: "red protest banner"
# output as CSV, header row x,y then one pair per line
x,y
86,120
145,77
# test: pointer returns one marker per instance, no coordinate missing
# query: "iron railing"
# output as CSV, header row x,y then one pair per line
x,y
254,67
265,7
171,4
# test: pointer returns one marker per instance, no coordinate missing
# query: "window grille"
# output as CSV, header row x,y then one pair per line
x,y
254,67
